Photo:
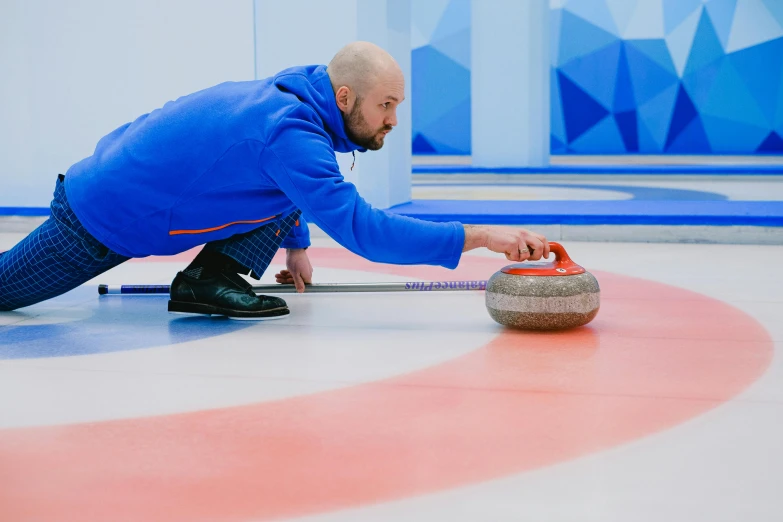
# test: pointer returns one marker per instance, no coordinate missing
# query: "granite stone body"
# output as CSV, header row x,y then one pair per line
x,y
538,302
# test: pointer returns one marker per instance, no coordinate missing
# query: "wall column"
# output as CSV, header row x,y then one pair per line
x,y
510,83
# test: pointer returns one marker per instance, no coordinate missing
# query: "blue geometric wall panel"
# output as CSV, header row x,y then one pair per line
x,y
440,83
628,76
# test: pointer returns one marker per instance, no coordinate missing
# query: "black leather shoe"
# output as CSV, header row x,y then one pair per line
x,y
223,293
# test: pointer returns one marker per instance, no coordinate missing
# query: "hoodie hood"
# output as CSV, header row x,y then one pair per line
x,y
312,85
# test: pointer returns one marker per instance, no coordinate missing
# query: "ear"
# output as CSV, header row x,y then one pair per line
x,y
344,98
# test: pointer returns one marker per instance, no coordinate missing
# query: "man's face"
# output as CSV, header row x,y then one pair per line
x,y
373,116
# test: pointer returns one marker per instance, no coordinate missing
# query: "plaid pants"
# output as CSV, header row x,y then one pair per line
x,y
60,255
255,249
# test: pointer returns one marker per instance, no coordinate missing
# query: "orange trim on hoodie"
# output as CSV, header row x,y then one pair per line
x,y
205,230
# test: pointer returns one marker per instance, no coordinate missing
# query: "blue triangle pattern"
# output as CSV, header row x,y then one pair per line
x,y
721,14
692,139
623,90
626,122
455,46
452,129
582,71
675,11
595,12
775,7
682,39
732,137
772,143
580,110
699,85
647,144
684,114
656,114
603,137
580,38
622,12
778,119
648,78
556,146
655,50
446,150
556,123
425,16
707,47
422,146
761,70
455,18
729,98
440,85
753,24
646,22
613,94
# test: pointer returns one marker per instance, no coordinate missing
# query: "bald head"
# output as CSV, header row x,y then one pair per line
x,y
360,66
368,86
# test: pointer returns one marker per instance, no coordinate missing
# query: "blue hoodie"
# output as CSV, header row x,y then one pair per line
x,y
232,157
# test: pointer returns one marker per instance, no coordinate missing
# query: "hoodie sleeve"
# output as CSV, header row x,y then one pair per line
x,y
301,160
299,236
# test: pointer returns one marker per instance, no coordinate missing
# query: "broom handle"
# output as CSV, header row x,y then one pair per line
x,y
411,286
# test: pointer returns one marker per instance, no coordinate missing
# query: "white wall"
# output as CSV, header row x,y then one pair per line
x,y
286,37
72,71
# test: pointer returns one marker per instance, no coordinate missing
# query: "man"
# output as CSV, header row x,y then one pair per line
x,y
237,167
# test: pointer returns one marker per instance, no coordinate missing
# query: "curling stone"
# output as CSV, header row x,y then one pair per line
x,y
552,295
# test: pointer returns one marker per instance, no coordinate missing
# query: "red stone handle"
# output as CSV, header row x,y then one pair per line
x,y
562,265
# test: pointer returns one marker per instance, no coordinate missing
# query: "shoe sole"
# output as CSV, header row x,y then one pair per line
x,y
181,307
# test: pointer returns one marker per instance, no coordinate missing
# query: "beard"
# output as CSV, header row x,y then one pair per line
x,y
358,130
